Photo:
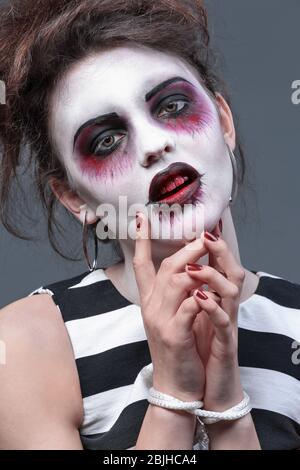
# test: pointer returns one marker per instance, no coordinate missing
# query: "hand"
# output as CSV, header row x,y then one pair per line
x,y
169,311
216,328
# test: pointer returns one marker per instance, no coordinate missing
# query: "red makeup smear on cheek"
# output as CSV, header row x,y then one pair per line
x,y
107,170
196,118
192,123
96,167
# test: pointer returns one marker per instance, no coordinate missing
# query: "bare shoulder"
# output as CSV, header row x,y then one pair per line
x,y
32,312
35,324
40,385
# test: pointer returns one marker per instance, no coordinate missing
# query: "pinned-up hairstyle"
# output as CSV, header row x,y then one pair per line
x,y
41,39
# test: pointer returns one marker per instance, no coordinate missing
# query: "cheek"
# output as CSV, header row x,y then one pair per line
x,y
106,169
197,118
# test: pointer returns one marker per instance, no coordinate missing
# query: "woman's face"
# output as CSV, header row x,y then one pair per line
x,y
120,117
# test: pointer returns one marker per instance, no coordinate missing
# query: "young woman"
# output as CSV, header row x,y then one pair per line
x,y
120,100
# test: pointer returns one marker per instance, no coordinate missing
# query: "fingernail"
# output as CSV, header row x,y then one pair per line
x,y
201,295
221,225
194,267
210,237
138,221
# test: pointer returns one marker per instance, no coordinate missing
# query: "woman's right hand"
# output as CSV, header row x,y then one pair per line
x,y
169,310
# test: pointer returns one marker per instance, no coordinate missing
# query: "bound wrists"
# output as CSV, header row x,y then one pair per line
x,y
224,404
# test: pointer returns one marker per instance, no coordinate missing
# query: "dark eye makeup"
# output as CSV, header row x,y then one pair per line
x,y
102,141
96,145
103,147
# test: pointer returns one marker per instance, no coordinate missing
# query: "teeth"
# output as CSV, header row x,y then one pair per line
x,y
171,186
178,181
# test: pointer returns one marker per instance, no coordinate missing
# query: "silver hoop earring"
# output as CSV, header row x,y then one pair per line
x,y
235,176
93,266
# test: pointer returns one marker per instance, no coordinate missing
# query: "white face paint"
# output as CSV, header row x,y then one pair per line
x,y
126,154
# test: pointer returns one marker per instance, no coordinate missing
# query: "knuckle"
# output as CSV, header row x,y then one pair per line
x,y
225,322
235,292
187,305
166,264
137,262
240,275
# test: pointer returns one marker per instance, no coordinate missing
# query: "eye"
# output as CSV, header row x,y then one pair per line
x,y
174,107
106,144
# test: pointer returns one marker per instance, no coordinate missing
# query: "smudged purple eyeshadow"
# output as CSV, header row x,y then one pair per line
x,y
196,116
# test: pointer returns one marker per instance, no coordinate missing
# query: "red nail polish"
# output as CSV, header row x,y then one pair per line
x,y
210,237
194,267
201,295
221,225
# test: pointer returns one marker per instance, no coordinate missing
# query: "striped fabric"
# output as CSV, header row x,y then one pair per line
x,y
111,350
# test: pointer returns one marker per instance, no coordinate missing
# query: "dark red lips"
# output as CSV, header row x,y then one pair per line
x,y
175,184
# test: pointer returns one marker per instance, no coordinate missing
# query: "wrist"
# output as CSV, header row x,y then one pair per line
x,y
242,425
180,395
226,392
239,434
221,404
169,412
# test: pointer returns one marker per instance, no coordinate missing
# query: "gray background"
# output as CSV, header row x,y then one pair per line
x,y
258,43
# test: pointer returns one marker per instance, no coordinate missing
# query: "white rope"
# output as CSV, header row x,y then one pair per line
x,y
158,398
236,412
167,401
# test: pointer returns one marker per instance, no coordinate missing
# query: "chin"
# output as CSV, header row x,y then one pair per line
x,y
178,226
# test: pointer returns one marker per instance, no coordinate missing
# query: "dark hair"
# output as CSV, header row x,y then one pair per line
x,y
40,40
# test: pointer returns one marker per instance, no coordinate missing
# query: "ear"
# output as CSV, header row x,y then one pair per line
x,y
74,203
226,120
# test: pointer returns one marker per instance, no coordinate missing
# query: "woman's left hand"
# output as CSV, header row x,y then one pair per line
x,y
216,326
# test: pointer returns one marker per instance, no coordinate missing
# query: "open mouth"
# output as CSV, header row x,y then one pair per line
x,y
176,184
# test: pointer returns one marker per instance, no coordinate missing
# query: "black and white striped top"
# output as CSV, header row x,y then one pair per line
x,y
111,349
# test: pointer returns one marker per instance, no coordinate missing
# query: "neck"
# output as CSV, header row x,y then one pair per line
x,y
123,277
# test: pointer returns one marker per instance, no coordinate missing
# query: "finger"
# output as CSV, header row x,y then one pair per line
x,y
212,260
178,287
215,280
186,314
142,260
176,262
219,318
188,254
222,256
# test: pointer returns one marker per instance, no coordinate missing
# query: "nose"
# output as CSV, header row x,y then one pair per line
x,y
157,148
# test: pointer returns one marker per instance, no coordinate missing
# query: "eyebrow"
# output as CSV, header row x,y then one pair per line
x,y
148,97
